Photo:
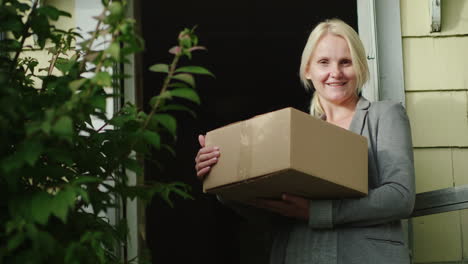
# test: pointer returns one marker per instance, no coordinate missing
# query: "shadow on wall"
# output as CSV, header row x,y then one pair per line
x,y
451,14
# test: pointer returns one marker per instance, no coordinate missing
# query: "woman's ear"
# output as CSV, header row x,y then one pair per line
x,y
307,72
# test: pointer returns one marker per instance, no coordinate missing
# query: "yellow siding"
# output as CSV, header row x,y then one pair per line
x,y
415,17
464,226
437,238
460,170
436,81
438,118
435,63
63,23
433,169
67,6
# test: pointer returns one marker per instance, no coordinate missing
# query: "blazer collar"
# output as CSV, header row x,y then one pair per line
x,y
359,118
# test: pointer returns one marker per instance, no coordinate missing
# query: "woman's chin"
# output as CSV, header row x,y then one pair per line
x,y
339,98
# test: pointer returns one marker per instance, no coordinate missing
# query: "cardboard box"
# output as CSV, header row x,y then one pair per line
x,y
287,151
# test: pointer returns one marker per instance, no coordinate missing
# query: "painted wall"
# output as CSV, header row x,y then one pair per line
x,y
436,83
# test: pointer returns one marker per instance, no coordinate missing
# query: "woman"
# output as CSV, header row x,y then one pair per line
x,y
362,230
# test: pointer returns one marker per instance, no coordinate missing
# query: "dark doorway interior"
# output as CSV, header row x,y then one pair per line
x,y
254,49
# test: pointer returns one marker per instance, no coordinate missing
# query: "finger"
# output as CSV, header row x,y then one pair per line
x,y
208,156
293,199
300,204
206,150
201,140
202,173
200,165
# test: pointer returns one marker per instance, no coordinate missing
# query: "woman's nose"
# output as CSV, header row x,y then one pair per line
x,y
336,71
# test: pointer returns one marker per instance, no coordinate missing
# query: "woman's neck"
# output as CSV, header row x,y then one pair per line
x,y
340,114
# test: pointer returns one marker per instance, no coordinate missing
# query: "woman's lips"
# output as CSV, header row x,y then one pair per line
x,y
336,84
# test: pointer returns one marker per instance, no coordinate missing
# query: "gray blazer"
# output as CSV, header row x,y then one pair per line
x,y
363,230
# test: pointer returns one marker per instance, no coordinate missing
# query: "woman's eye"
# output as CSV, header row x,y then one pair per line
x,y
323,61
346,62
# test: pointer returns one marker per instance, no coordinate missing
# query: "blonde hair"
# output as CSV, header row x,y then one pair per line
x,y
358,56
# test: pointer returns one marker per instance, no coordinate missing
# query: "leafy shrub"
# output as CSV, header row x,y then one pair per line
x,y
59,174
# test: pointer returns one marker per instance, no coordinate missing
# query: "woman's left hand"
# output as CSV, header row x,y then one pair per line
x,y
290,206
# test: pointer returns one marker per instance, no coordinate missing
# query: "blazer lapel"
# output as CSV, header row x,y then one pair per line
x,y
359,118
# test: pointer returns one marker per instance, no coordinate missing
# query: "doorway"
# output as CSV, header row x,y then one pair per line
x,y
254,49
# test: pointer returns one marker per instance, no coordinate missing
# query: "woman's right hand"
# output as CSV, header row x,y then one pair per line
x,y
206,158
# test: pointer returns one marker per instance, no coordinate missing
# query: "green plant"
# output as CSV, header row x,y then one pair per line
x,y
58,173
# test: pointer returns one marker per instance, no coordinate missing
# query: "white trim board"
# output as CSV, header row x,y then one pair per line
x,y
380,30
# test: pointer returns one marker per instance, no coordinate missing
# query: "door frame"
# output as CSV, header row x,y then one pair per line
x,y
380,30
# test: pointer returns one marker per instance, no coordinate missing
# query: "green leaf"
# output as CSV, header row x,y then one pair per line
x,y
52,12
41,27
83,193
31,151
160,68
185,77
152,138
15,241
162,97
116,13
76,84
174,107
13,24
86,179
164,192
63,127
182,193
103,79
167,121
134,166
116,9
32,128
64,65
120,120
153,100
142,115
98,101
40,207
186,93
179,85
21,6
114,50
45,243
62,202
195,70
46,127
10,45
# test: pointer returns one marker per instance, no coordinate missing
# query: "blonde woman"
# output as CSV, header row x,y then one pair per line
x,y
363,230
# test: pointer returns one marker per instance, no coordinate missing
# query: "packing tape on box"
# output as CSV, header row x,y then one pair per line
x,y
253,133
245,158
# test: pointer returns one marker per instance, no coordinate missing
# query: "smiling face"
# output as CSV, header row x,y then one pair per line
x,y
331,70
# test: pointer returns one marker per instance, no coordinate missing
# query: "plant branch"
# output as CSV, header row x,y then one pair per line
x,y
23,38
164,88
93,38
52,63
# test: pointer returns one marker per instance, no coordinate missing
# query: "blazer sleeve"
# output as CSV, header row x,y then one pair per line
x,y
394,198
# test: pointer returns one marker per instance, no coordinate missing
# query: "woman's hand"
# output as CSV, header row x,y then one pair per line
x,y
290,206
206,158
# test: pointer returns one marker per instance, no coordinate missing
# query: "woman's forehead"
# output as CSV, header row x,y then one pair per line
x,y
331,44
